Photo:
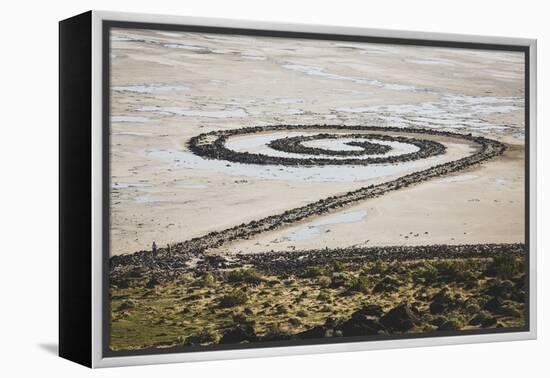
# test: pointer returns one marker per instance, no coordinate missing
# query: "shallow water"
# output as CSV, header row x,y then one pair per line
x,y
258,144
315,229
346,173
458,178
503,180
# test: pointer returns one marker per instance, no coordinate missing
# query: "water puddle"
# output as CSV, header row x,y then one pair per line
x,y
259,144
459,178
345,173
317,228
503,180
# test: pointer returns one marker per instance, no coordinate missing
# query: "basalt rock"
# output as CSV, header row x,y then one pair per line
x,y
401,318
362,325
449,325
315,333
243,333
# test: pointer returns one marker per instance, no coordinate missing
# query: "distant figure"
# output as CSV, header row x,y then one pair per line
x,y
154,248
168,249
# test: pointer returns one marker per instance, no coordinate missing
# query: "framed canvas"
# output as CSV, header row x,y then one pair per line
x,y
236,189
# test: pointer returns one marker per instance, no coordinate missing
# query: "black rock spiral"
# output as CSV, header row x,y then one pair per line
x,y
212,145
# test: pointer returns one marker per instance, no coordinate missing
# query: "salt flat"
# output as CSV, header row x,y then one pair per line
x,y
169,87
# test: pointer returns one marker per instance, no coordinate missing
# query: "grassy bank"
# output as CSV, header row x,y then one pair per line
x,y
330,300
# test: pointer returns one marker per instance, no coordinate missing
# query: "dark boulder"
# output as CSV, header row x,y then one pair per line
x,y
317,332
204,337
332,322
151,283
125,306
501,289
519,296
364,322
136,272
338,280
489,322
238,335
449,325
372,310
295,322
120,282
400,318
442,296
484,319
437,308
494,304
508,309
362,326
438,320
387,284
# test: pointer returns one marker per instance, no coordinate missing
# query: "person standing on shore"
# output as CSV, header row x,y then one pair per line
x,y
154,249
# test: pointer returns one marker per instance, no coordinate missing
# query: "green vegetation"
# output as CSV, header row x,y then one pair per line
x,y
206,280
338,266
359,284
324,296
248,276
506,266
314,271
235,298
247,305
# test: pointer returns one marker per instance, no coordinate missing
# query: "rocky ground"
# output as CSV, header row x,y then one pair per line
x,y
271,297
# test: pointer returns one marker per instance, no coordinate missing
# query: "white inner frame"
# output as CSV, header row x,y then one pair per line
x,y
98,360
